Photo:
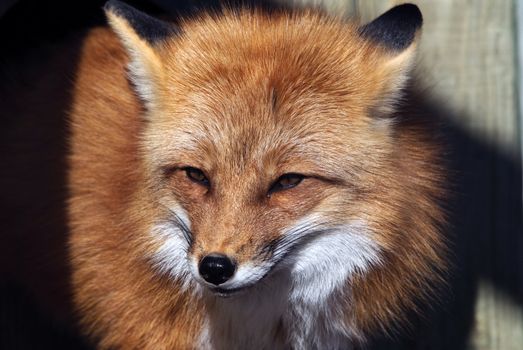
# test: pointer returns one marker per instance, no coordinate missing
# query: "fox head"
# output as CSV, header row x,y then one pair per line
x,y
275,143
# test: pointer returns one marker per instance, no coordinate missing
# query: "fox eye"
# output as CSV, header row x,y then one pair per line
x,y
286,181
196,175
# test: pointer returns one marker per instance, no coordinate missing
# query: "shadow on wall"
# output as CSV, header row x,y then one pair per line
x,y
486,213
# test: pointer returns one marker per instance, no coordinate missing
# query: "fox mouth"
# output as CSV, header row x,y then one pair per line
x,y
235,288
229,292
225,292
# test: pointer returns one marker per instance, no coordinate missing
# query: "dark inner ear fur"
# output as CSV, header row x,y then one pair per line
x,y
396,28
148,28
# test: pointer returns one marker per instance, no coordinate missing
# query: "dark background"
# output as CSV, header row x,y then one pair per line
x,y
480,205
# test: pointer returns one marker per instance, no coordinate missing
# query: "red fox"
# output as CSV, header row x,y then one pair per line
x,y
250,181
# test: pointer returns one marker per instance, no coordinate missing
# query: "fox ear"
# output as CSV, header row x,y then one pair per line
x,y
396,33
396,29
140,34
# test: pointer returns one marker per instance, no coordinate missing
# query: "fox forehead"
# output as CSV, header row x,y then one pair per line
x,y
272,42
292,58
248,139
269,91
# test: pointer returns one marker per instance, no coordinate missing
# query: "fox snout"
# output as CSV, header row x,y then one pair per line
x,y
216,268
226,272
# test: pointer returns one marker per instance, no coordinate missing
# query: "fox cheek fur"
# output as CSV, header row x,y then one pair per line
x,y
256,182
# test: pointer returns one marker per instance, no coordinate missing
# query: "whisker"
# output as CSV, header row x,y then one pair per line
x,y
186,232
280,247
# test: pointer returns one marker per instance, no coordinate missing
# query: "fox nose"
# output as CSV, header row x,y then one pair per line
x,y
216,268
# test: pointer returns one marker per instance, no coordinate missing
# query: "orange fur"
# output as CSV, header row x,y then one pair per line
x,y
271,95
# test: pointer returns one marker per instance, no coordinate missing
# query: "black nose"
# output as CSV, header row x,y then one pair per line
x,y
216,268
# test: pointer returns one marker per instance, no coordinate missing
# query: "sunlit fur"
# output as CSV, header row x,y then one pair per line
x,y
247,97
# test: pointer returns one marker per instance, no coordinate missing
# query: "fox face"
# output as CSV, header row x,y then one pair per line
x,y
250,178
257,143
275,160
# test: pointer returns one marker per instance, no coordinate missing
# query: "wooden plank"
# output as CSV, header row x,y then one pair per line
x,y
519,33
498,321
469,47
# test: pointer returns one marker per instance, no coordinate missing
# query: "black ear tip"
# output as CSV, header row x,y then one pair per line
x,y
147,27
396,28
408,12
115,6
